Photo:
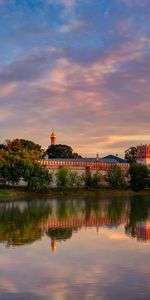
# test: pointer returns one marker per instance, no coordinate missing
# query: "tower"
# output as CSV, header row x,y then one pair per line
x,y
53,138
143,154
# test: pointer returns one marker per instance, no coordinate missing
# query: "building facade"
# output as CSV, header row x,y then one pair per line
x,y
143,154
83,164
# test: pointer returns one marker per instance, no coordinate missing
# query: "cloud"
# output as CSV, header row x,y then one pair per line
x,y
133,3
68,5
7,89
87,70
87,96
71,26
29,66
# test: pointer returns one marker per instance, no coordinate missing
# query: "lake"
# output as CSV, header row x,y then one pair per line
x,y
89,247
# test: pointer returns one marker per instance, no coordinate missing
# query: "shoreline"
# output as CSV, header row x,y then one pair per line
x,y
17,194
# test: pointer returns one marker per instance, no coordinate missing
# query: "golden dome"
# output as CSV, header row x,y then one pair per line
x,y
53,135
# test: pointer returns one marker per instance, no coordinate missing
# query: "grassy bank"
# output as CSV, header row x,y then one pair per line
x,y
21,194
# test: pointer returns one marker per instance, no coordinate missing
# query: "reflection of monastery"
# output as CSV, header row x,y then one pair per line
x,y
24,222
62,229
82,164
143,231
79,222
59,230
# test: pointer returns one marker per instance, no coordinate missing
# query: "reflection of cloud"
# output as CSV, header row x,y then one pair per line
x,y
117,236
60,277
7,285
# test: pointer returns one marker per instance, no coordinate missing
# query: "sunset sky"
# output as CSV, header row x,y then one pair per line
x,y
80,67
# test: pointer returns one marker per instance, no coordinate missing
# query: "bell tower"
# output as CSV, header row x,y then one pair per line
x,y
53,138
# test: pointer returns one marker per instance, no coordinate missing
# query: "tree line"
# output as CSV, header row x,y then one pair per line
x,y
18,161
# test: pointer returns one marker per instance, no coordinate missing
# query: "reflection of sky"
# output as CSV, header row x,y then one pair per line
x,y
79,62
107,265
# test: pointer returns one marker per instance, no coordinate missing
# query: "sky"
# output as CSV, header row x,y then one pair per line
x,y
80,67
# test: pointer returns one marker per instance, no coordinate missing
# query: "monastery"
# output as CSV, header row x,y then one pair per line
x,y
82,164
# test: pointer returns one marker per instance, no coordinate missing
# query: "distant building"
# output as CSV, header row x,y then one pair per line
x,y
82,164
143,154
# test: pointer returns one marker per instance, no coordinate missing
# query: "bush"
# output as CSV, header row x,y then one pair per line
x,y
37,177
75,180
139,174
96,180
115,177
62,178
92,180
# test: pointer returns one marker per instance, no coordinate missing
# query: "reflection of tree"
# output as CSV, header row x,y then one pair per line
x,y
92,206
115,210
139,212
22,226
68,208
59,233
25,222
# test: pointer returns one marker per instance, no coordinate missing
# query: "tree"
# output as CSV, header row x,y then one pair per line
x,y
2,146
138,173
91,180
87,177
21,145
115,176
131,154
75,180
18,159
62,178
37,177
10,168
61,151
4,173
96,179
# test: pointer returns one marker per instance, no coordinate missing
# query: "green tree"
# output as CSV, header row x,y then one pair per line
x,y
62,178
37,177
96,180
61,151
139,174
91,180
75,180
4,173
115,177
21,146
131,154
10,168
87,178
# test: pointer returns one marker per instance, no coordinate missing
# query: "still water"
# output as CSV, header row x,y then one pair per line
x,y
75,248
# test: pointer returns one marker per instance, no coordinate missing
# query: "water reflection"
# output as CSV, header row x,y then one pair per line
x,y
26,222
